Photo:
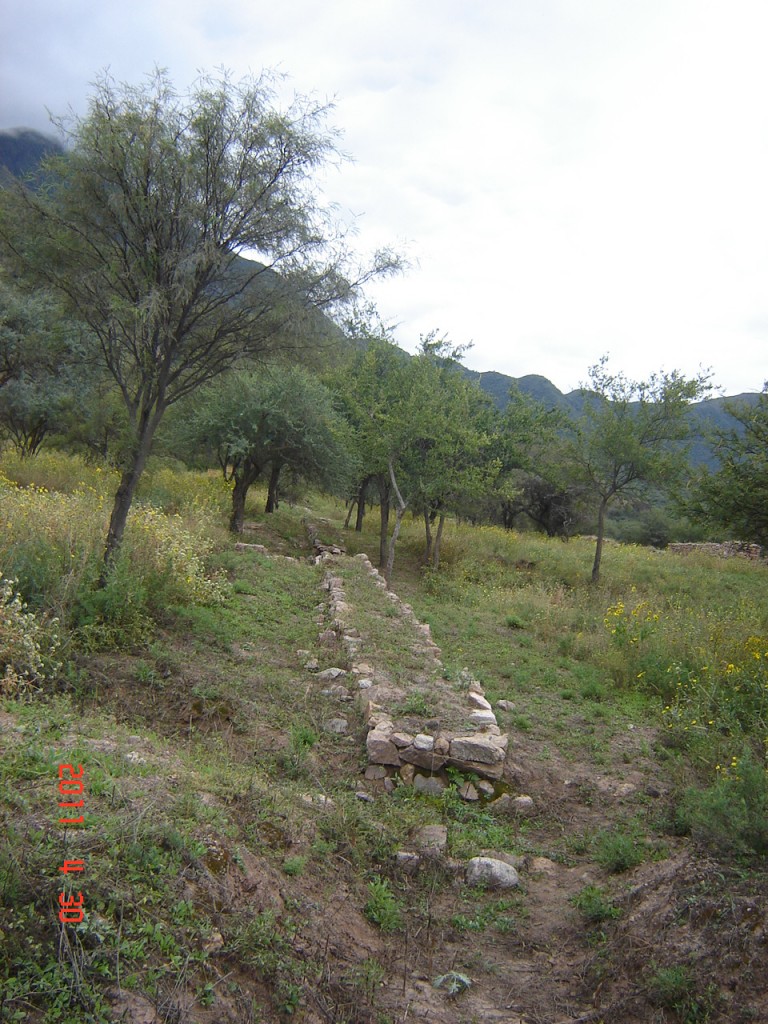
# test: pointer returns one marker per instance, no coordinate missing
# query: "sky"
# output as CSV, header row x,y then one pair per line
x,y
567,178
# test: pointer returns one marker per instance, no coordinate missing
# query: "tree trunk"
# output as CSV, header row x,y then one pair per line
x,y
600,536
350,510
384,516
428,537
401,507
124,498
438,542
272,492
243,480
361,505
399,513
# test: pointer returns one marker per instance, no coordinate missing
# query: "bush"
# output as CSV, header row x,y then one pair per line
x,y
594,906
383,908
731,816
27,647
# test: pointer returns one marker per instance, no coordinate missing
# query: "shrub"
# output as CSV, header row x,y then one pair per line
x,y
732,815
27,647
382,907
593,904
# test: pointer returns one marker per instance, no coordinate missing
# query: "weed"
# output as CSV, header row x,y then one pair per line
x,y
382,907
618,851
294,865
594,906
676,989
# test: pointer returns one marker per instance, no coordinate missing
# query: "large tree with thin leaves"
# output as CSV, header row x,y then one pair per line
x,y
143,224
630,436
735,496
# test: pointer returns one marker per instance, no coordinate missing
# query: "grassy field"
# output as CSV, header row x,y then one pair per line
x,y
233,871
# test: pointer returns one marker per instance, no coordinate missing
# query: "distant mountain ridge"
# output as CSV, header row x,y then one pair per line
x,y
707,415
22,150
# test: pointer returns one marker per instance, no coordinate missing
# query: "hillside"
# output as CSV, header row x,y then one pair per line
x,y
706,416
22,150
268,833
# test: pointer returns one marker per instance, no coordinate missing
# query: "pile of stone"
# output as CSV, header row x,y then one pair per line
x,y
481,750
728,549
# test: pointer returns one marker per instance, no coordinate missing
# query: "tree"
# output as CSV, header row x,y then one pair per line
x,y
143,225
43,366
630,435
735,497
280,420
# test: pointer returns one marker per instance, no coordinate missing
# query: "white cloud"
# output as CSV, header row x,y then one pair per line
x,y
573,176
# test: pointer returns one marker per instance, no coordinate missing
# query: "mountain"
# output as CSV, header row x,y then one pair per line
x,y
707,416
22,150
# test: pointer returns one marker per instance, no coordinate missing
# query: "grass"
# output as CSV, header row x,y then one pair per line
x,y
206,756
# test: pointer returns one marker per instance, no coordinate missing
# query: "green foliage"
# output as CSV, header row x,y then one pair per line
x,y
676,988
630,436
731,816
27,646
383,907
594,906
618,850
734,498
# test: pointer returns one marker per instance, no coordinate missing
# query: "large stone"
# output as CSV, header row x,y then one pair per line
x,y
485,749
331,673
482,719
468,792
486,771
432,785
401,739
422,758
491,873
338,726
380,750
424,742
477,700
431,838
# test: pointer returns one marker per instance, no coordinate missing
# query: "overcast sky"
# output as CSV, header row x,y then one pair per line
x,y
568,177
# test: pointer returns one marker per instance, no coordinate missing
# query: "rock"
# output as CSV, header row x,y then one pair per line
x,y
477,748
381,722
401,739
486,788
336,691
380,750
491,873
312,665
327,637
482,719
423,758
374,772
423,742
259,549
523,805
365,797
364,684
431,838
337,726
442,745
407,773
505,705
331,673
409,862
362,669
431,785
468,792
477,700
